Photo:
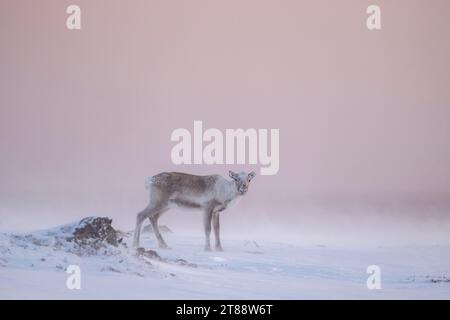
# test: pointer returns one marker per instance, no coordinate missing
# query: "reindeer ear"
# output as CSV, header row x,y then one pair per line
x,y
232,175
251,175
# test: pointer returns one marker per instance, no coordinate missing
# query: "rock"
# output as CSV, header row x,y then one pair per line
x,y
183,262
96,232
91,235
151,254
110,269
439,279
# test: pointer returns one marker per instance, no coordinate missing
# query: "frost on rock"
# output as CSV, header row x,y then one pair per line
x,y
96,233
91,242
92,235
151,254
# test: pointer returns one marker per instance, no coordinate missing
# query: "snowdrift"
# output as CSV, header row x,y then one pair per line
x,y
33,266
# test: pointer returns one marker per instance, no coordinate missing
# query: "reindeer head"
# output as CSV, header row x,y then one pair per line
x,y
242,180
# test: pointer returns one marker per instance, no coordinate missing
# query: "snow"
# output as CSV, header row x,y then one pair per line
x,y
32,266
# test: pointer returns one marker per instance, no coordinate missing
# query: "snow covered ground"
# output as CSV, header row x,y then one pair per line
x,y
33,266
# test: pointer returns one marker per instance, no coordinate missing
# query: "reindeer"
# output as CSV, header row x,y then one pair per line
x,y
212,194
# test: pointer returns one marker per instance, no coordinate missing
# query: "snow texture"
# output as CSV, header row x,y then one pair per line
x,y
32,266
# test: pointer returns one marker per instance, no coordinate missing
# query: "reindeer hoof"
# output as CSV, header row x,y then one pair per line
x,y
219,248
208,249
164,246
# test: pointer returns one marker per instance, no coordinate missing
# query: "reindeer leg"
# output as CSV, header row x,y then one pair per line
x,y
154,222
207,225
137,231
216,225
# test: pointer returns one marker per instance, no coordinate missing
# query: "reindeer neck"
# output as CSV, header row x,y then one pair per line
x,y
233,190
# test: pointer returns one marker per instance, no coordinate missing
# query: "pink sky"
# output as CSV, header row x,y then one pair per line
x,y
86,115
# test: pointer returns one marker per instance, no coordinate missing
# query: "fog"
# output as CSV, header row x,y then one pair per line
x,y
363,116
